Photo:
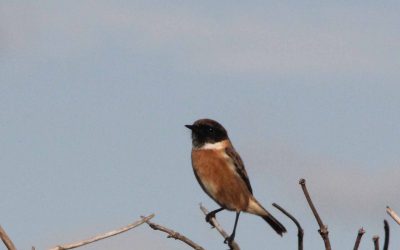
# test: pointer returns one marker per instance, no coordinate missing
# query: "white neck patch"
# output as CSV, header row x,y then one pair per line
x,y
214,146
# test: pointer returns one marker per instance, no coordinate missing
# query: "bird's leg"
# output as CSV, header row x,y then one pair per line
x,y
229,239
211,215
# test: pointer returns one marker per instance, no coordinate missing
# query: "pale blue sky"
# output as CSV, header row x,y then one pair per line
x,y
94,97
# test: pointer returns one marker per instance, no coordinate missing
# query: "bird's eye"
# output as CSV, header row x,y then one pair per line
x,y
210,129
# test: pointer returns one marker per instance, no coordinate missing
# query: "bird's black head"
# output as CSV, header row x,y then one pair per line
x,y
207,131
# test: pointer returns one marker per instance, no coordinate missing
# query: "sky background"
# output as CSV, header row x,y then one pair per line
x,y
94,96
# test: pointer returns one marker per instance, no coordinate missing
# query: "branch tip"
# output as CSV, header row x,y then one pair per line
x,y
387,234
104,235
361,232
323,229
375,239
393,214
300,231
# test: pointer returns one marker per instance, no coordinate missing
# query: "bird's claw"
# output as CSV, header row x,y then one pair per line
x,y
228,240
209,218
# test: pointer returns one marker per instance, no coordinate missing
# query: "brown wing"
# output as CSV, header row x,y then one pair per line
x,y
239,165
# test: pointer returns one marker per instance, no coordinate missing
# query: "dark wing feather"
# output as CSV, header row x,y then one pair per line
x,y
239,165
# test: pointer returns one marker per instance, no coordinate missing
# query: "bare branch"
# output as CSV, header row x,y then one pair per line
x,y
323,229
104,235
233,245
387,234
393,214
300,231
375,239
360,234
175,235
7,241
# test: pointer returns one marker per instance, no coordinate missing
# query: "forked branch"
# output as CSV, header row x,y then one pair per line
x,y
175,235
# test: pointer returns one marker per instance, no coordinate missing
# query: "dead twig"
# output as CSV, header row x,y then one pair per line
x,y
104,235
7,241
300,231
387,234
375,239
175,235
323,229
360,234
393,214
233,245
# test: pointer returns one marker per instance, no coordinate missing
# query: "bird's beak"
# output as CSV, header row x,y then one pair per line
x,y
189,127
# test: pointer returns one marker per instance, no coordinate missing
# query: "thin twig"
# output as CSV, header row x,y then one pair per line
x,y
300,231
174,234
323,229
104,235
360,234
233,245
393,214
7,241
375,239
387,234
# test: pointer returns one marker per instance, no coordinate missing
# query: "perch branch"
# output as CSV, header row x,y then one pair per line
x,y
104,235
323,229
300,231
233,245
393,214
387,234
173,234
375,239
7,241
360,234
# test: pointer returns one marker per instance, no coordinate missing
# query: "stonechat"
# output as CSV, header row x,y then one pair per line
x,y
221,174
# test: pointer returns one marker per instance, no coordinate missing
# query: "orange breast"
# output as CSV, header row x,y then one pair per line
x,y
216,174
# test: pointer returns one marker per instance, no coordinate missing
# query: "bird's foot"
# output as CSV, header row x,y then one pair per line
x,y
209,218
228,240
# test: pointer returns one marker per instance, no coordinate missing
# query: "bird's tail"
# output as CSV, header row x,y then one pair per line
x,y
256,208
275,224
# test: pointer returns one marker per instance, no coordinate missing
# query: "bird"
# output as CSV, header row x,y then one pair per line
x,y
221,174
